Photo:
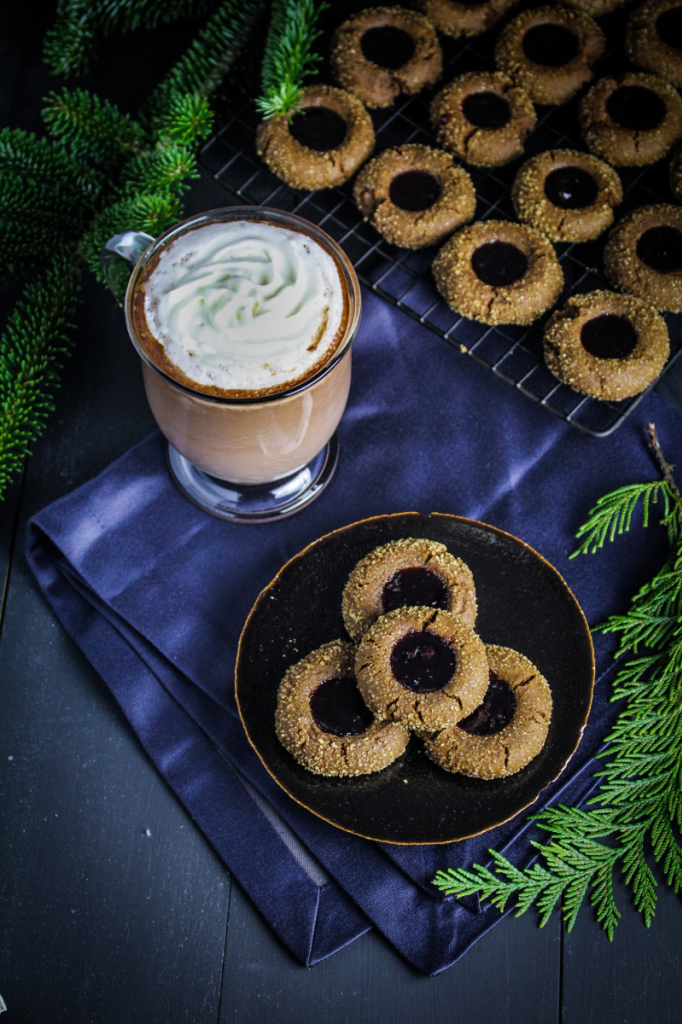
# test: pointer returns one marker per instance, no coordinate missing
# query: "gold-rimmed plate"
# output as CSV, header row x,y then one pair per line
x,y
523,603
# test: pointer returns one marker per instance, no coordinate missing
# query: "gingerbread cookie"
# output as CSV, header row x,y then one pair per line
x,y
632,120
484,118
643,255
412,571
499,273
568,195
676,175
606,345
595,8
464,17
384,52
550,52
507,731
323,145
414,195
323,722
421,668
654,39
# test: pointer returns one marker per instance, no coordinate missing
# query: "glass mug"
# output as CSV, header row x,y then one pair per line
x,y
245,459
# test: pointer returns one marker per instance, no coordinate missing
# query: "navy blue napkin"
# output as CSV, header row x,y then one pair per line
x,y
155,593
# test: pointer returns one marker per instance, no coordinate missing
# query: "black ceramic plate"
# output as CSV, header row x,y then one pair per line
x,y
523,603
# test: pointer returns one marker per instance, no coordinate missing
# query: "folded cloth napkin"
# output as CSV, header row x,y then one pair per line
x,y
155,593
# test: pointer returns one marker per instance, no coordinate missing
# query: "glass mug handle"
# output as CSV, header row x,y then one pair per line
x,y
119,255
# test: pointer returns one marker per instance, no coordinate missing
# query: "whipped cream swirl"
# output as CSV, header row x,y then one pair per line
x,y
245,305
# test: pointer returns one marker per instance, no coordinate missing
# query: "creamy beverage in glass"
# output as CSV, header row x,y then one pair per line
x,y
244,319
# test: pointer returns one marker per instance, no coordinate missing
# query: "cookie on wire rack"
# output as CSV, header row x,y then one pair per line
x,y
606,345
483,118
414,195
550,52
568,195
498,272
385,52
631,121
323,145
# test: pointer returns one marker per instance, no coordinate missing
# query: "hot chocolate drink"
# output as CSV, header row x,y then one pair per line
x,y
243,319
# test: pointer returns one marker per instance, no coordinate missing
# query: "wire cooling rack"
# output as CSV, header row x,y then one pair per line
x,y
403,277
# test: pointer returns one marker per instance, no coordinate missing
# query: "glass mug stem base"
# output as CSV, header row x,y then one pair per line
x,y
260,503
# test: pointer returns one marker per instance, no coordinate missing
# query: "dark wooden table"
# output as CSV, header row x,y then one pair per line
x,y
113,908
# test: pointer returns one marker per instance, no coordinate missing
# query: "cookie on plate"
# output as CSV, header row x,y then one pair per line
x,y
606,345
322,146
323,722
483,118
566,194
384,52
414,195
406,572
421,668
507,731
499,272
550,52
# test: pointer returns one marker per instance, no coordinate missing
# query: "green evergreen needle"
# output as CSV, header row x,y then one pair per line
x,y
639,802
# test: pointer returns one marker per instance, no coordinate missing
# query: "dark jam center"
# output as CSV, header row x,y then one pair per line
x,y
319,128
423,662
408,588
486,110
669,27
499,263
636,108
338,708
661,249
387,46
415,190
608,336
571,188
550,45
496,711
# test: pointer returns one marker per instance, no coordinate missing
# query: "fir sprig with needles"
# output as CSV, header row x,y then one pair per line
x,y
290,56
101,172
635,820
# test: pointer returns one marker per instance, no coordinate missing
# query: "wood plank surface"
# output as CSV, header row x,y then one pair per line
x,y
509,976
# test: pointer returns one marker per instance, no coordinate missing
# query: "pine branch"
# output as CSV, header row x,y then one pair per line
x,y
164,171
210,56
93,127
26,156
290,56
188,120
32,349
81,24
638,806
152,214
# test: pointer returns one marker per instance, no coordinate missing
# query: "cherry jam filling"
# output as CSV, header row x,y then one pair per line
x,y
571,188
318,128
338,708
550,45
609,336
413,587
635,108
486,110
661,249
415,190
499,264
387,46
422,661
496,711
669,27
